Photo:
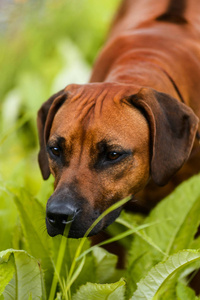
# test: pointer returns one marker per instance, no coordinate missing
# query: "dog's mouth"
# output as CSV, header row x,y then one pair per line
x,y
80,224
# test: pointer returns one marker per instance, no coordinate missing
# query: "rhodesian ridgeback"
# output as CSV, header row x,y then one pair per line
x,y
134,127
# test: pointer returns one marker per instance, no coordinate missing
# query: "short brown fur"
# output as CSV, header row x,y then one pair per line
x,y
141,106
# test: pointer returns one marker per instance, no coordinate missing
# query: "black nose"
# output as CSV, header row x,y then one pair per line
x,y
58,215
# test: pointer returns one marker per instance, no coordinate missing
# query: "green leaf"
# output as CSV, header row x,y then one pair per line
x,y
8,216
184,292
65,257
91,291
150,286
105,263
87,274
118,227
26,281
195,244
176,219
58,266
76,273
32,218
7,269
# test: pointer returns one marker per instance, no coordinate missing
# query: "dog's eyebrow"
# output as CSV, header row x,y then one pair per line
x,y
58,140
103,145
106,145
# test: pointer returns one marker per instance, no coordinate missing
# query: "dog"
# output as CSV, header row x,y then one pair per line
x,y
133,130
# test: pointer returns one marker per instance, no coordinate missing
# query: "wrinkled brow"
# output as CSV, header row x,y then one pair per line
x,y
57,140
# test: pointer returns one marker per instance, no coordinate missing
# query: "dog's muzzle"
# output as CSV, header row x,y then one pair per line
x,y
58,216
73,216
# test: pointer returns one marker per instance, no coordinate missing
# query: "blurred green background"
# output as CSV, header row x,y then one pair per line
x,y
44,45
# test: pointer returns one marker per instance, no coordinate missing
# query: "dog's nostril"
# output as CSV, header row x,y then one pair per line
x,y
67,219
51,219
60,219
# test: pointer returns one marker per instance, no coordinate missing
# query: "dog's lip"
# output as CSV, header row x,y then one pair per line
x,y
73,233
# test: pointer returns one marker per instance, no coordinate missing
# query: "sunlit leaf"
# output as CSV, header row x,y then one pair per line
x,y
149,286
176,215
185,293
101,291
23,278
33,223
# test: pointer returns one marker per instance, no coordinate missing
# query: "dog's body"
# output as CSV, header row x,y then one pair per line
x,y
133,127
157,44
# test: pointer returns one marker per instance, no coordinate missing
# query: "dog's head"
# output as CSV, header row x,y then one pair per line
x,y
102,142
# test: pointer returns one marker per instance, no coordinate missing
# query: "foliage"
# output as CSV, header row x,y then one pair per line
x,y
160,256
178,220
18,269
39,42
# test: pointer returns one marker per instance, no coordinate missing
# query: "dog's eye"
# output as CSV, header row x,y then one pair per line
x,y
55,151
113,155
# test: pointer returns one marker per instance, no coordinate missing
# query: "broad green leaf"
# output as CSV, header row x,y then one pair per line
x,y
91,291
8,216
87,272
75,275
184,236
32,218
176,220
138,230
195,244
105,264
150,286
184,292
7,269
117,227
26,281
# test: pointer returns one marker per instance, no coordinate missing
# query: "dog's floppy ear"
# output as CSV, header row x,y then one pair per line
x,y
173,126
44,122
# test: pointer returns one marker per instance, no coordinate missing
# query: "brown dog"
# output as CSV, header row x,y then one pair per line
x,y
133,127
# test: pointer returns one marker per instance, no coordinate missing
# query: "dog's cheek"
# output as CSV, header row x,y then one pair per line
x,y
55,171
139,177
110,191
52,167
125,181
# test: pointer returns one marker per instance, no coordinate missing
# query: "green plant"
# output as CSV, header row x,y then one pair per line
x,y
161,256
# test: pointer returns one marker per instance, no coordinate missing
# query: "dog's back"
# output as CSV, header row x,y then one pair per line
x,y
169,34
165,34
135,13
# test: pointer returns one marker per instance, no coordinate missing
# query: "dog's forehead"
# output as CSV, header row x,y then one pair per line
x,y
95,111
82,104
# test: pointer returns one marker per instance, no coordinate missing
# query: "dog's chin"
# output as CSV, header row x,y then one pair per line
x,y
78,230
73,232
